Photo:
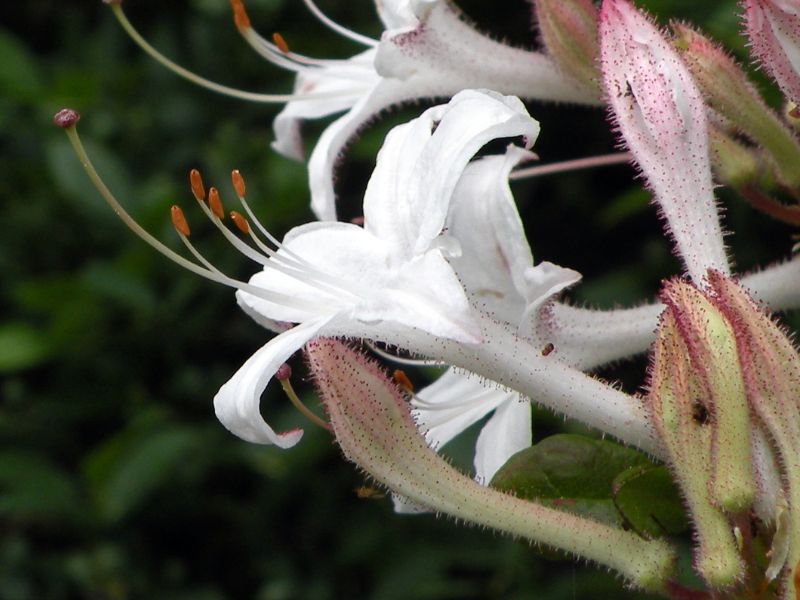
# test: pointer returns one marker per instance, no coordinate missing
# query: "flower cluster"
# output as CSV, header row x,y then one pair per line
x,y
441,268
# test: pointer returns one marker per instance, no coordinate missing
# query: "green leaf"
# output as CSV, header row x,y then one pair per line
x,y
128,469
32,489
19,77
22,347
649,500
572,473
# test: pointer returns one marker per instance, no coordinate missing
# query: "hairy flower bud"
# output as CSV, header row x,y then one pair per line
x,y
373,425
569,33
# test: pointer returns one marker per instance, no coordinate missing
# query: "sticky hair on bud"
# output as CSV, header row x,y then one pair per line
x,y
240,222
66,118
215,204
277,38
196,183
238,183
284,372
402,381
179,221
240,17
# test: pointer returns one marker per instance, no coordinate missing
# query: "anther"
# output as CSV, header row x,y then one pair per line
x,y
402,381
215,204
179,221
278,40
240,222
240,17
66,118
196,183
238,183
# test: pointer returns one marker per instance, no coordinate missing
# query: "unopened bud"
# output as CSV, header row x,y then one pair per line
x,y
569,33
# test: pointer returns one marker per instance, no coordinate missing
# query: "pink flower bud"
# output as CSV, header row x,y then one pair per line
x,y
774,30
660,113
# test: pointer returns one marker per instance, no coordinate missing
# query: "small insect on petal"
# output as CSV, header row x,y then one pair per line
x,y
548,348
240,222
179,221
215,204
238,183
196,183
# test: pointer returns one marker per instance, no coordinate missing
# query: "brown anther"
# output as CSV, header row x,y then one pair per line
x,y
179,221
240,17
240,222
548,348
238,183
277,38
215,204
196,183
66,118
402,381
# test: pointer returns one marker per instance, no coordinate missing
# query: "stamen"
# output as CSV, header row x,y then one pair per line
x,y
240,17
238,183
283,374
215,204
196,183
66,121
409,362
277,38
402,381
343,31
179,221
573,165
203,82
240,222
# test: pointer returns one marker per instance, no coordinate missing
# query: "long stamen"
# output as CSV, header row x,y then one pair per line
x,y
573,165
283,374
182,229
66,120
400,360
201,81
333,25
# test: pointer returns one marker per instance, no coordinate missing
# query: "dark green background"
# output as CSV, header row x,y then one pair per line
x,y
116,480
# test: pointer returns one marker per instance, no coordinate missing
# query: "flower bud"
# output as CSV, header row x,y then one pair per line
x,y
699,408
728,91
569,33
372,423
661,115
773,27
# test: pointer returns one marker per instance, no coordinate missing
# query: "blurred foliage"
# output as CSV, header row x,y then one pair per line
x,y
116,481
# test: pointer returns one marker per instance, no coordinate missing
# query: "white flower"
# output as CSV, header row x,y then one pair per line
x,y
391,275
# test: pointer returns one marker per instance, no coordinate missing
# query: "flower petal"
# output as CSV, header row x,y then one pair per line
x,y
544,281
452,403
507,432
237,402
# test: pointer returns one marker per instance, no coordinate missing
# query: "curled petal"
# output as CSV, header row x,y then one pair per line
x,y
237,402
507,432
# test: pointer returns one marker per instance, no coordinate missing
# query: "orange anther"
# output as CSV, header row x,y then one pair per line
x,y
196,183
215,204
179,221
277,38
240,17
240,222
238,183
402,381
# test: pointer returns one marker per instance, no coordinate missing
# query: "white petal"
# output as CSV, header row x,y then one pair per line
x,y
452,403
495,253
345,82
544,281
237,402
505,434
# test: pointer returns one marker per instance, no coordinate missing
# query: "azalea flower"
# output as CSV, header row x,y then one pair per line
x,y
392,273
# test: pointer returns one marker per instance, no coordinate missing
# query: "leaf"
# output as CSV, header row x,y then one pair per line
x,y
32,489
131,467
572,473
20,76
22,347
649,500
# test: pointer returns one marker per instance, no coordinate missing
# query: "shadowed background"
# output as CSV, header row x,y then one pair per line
x,y
116,480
